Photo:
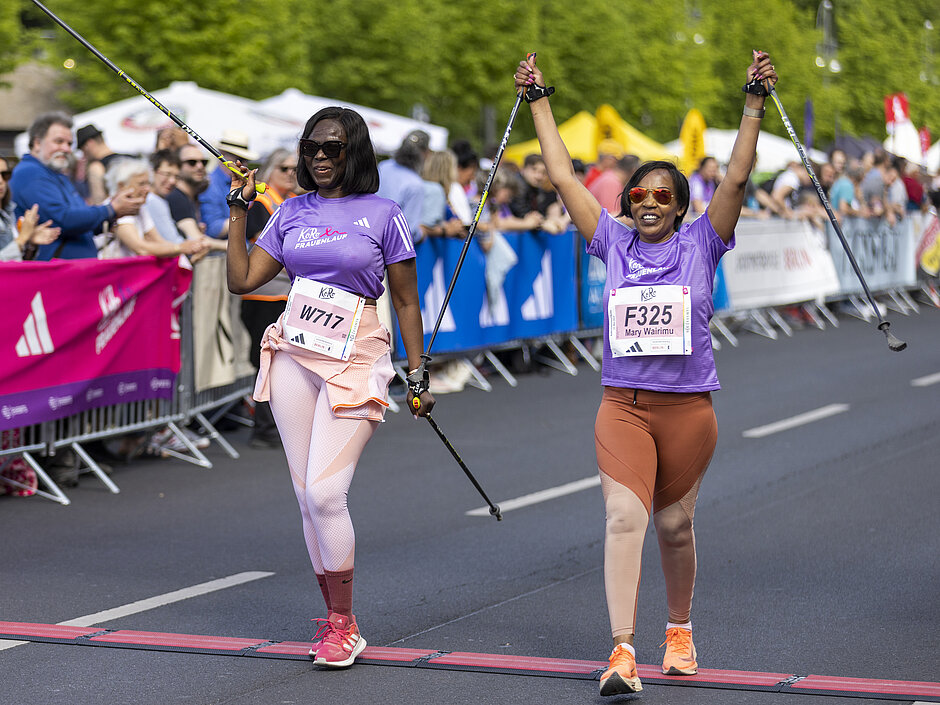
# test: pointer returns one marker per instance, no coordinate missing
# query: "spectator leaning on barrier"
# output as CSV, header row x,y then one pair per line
x,y
845,195
184,206
439,174
136,235
532,195
399,178
41,178
788,186
873,185
468,166
702,184
19,243
98,159
233,145
895,198
166,171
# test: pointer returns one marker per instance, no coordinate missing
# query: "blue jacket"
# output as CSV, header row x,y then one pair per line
x,y
212,206
34,182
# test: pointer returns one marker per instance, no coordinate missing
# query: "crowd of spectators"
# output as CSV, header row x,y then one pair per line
x,y
71,196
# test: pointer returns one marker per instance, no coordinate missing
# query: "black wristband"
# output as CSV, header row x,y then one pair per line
x,y
235,198
755,87
534,93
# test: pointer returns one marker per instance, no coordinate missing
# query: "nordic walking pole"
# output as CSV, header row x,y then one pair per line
x,y
418,380
893,343
259,187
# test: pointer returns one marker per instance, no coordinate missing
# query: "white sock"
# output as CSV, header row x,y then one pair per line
x,y
673,625
628,647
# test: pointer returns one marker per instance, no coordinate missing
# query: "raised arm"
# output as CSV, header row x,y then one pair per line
x,y
246,272
725,206
583,208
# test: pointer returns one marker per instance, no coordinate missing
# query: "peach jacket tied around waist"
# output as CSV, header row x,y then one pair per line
x,y
357,387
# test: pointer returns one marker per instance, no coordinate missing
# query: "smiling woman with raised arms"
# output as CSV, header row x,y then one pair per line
x,y
325,363
655,430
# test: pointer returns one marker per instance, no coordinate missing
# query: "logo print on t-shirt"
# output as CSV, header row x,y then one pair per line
x,y
311,237
362,223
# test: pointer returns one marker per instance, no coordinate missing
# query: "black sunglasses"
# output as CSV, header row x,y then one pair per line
x,y
194,162
331,149
6,174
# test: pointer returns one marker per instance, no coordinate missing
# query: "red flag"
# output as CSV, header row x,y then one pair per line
x,y
924,140
896,110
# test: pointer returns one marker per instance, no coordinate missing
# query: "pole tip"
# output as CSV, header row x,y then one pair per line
x,y
894,344
494,510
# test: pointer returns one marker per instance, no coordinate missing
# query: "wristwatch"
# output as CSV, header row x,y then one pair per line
x,y
235,198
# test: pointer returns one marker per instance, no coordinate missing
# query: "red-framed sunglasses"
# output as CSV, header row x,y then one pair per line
x,y
662,196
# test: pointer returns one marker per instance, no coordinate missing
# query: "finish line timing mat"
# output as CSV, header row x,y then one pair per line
x,y
465,661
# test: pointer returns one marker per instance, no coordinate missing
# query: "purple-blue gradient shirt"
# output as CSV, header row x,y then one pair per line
x,y
690,258
346,242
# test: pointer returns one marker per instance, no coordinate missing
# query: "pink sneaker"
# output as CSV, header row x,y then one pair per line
x,y
323,627
341,644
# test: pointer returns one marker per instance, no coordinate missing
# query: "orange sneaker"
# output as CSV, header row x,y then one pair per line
x,y
341,644
323,628
621,677
679,659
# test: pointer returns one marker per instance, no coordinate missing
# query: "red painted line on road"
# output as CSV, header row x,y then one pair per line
x,y
868,685
461,660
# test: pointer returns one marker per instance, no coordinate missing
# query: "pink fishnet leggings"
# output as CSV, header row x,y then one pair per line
x,y
322,452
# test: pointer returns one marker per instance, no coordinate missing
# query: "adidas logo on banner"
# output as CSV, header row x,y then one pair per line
x,y
636,347
299,338
362,223
35,339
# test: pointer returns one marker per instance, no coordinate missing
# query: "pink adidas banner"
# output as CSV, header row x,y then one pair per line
x,y
79,334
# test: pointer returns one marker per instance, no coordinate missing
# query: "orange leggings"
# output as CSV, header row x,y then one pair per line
x,y
652,450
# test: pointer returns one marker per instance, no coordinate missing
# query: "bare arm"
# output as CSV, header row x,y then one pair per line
x,y
725,206
583,208
403,287
246,273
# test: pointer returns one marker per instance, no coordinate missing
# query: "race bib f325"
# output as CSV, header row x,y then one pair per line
x,y
650,320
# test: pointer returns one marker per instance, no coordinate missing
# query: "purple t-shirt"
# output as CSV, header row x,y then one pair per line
x,y
346,242
689,258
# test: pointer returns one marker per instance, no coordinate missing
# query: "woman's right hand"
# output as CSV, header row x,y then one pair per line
x,y
528,74
246,179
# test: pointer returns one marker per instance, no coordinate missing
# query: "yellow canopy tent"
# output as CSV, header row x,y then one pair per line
x,y
611,126
692,139
577,132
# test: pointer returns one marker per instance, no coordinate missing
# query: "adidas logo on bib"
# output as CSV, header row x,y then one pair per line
x,y
362,223
636,348
299,339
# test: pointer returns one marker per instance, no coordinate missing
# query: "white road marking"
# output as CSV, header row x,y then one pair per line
x,y
794,421
153,602
540,496
926,381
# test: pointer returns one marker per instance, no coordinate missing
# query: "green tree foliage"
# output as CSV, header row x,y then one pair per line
x,y
652,62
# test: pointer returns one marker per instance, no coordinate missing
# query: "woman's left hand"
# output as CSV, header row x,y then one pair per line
x,y
762,69
246,180
425,403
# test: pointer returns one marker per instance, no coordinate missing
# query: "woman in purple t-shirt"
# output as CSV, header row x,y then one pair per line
x,y
325,363
655,430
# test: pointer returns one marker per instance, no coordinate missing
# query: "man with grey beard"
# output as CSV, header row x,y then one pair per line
x,y
42,177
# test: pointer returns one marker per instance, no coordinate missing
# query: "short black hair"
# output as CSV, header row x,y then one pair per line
x,y
680,186
532,160
362,173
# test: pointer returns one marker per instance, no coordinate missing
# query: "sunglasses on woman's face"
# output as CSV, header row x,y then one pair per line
x,y
286,169
6,174
662,196
330,149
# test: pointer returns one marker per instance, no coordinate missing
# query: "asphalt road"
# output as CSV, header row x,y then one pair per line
x,y
818,545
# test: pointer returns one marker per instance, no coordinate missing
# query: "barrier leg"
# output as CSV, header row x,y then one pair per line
x,y
584,352
782,324
725,331
716,344
94,467
563,364
757,322
476,378
57,495
195,457
930,290
214,435
864,310
908,299
829,315
501,368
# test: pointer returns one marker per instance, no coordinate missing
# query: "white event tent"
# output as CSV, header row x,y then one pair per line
x,y
773,152
387,129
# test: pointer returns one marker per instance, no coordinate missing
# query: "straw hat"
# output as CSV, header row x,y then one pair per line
x,y
236,142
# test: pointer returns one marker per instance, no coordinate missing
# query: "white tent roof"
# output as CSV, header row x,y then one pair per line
x,y
130,126
773,152
905,142
387,130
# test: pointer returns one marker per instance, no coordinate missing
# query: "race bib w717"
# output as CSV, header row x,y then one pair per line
x,y
650,320
322,318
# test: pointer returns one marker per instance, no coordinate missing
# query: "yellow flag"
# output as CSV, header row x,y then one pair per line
x,y
692,138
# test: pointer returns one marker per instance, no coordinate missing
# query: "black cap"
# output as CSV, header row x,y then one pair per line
x,y
86,133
